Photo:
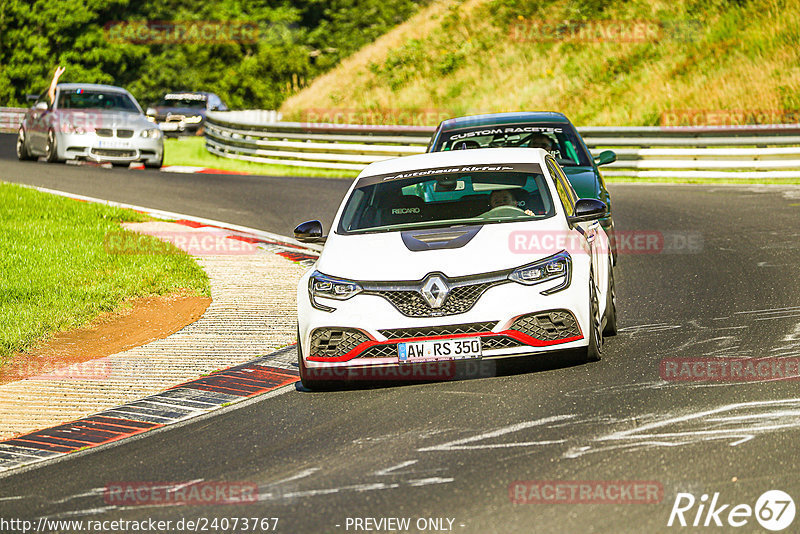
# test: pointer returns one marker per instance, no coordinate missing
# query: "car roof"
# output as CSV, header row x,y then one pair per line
x,y
456,158
503,118
97,86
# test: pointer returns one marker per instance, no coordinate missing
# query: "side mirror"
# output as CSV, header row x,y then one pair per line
x,y
40,106
588,209
309,232
605,157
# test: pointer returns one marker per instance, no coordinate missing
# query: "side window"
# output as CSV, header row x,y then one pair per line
x,y
567,184
563,190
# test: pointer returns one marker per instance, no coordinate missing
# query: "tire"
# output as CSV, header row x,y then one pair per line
x,y
611,306
594,351
51,152
23,154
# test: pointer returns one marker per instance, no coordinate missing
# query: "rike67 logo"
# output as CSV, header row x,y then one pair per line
x,y
774,510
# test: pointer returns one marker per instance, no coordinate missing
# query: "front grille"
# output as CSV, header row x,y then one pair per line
x,y
114,152
548,326
333,342
449,330
460,300
104,132
125,134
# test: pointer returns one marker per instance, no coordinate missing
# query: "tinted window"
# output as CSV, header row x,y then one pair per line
x,y
448,199
559,139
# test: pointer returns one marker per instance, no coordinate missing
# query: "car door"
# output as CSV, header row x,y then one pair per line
x,y
590,231
37,129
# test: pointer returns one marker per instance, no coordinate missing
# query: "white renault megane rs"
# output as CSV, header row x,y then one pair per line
x,y
461,255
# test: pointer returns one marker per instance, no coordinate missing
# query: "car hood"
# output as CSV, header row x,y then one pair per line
x,y
584,180
384,256
103,119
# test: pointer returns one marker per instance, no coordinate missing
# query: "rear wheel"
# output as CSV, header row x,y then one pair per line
x,y
23,154
594,351
611,306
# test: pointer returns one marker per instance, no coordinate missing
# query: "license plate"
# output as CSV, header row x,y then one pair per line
x,y
168,126
113,144
439,349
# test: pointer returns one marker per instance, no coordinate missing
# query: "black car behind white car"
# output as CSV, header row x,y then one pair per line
x,y
185,112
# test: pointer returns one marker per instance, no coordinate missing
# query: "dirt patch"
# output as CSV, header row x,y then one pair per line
x,y
139,322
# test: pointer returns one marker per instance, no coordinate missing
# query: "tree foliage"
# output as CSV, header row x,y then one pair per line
x,y
296,40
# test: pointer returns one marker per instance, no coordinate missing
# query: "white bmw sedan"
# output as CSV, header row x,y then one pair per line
x,y
463,255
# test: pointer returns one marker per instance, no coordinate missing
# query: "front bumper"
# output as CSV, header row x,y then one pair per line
x,y
92,147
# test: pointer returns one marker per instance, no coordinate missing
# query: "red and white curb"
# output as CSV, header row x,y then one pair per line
x,y
182,169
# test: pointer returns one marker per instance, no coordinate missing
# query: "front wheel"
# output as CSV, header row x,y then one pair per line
x,y
308,383
23,154
594,351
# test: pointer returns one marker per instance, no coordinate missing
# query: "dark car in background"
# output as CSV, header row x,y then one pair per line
x,y
548,130
184,113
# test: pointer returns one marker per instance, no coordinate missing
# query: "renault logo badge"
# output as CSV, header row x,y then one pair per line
x,y
435,291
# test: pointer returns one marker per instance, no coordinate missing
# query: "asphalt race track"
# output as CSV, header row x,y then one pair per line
x,y
453,449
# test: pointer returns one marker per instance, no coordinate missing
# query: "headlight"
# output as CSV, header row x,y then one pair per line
x,y
556,266
153,133
193,120
320,285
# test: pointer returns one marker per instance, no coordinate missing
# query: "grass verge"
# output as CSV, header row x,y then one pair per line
x,y
192,151
57,273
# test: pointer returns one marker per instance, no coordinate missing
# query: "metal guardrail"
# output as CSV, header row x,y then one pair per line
x,y
740,152
10,119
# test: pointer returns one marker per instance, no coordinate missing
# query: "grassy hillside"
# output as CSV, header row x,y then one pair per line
x,y
629,64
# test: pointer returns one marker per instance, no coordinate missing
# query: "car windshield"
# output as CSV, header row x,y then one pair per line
x,y
85,99
560,139
444,197
183,101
